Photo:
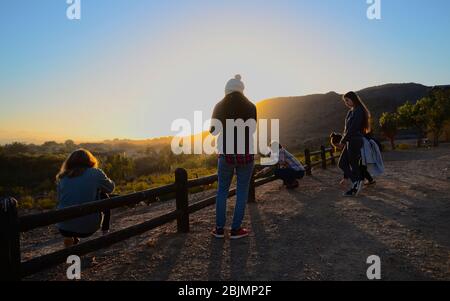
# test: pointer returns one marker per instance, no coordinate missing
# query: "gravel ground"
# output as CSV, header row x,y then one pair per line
x,y
311,233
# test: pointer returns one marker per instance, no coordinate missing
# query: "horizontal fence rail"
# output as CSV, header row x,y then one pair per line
x,y
29,222
11,225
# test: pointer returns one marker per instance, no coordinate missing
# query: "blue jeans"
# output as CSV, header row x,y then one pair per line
x,y
225,175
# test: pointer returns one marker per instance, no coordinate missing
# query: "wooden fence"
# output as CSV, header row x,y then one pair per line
x,y
11,224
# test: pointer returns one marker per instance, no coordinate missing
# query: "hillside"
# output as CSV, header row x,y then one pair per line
x,y
306,119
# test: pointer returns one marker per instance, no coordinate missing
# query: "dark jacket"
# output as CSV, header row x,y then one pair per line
x,y
234,106
354,124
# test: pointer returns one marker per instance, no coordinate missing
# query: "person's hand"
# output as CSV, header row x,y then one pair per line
x,y
262,172
267,169
340,146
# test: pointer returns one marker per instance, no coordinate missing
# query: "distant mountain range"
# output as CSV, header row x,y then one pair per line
x,y
308,120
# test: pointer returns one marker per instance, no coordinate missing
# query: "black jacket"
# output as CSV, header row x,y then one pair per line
x,y
354,124
234,106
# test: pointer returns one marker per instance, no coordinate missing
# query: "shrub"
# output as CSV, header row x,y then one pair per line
x,y
26,202
403,146
46,203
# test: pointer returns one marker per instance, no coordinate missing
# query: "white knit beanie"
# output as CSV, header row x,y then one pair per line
x,y
235,85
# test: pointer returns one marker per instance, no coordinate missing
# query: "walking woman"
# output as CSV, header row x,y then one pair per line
x,y
335,140
78,182
357,124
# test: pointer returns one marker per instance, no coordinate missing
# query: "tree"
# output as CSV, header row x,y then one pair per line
x,y
438,112
118,167
50,144
389,126
15,148
70,145
415,116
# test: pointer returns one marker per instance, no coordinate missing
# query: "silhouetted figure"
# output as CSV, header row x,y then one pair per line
x,y
233,107
78,182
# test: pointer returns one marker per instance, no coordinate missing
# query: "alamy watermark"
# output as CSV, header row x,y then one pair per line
x,y
74,270
374,10
188,139
374,270
73,11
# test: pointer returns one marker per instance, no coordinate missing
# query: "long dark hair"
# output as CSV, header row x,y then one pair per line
x,y
357,102
76,164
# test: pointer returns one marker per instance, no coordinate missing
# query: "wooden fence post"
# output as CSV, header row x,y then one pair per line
x,y
9,241
308,162
333,159
251,190
323,155
182,200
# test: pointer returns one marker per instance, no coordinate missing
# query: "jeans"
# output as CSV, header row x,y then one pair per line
x,y
350,158
244,174
288,175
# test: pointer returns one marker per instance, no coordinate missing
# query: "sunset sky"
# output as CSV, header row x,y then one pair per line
x,y
128,68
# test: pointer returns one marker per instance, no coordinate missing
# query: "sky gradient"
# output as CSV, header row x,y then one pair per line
x,y
128,68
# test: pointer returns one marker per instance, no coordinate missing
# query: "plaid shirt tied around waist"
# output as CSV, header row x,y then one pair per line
x,y
240,159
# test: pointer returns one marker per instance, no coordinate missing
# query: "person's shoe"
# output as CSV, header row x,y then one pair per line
x,y
93,261
218,233
105,232
68,242
239,233
373,182
358,186
350,193
71,241
355,190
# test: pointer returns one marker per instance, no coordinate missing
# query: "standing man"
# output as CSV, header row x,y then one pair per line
x,y
235,114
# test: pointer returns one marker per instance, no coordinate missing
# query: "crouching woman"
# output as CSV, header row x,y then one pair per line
x,y
80,181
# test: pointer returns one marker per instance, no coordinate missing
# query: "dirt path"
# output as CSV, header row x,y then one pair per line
x,y
309,234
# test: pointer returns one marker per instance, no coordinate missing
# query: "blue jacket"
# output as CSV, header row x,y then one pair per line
x,y
80,190
371,157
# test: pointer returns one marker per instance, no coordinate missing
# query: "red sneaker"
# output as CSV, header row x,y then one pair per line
x,y
239,233
218,233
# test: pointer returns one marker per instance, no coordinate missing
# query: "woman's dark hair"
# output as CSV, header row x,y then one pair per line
x,y
357,102
76,164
